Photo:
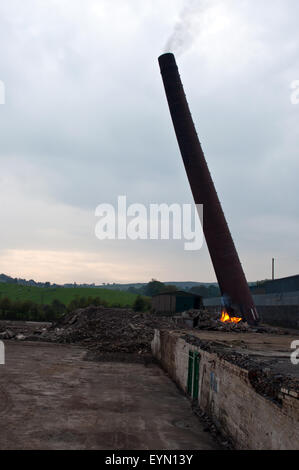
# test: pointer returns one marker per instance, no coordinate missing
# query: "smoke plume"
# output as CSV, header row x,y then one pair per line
x,y
187,27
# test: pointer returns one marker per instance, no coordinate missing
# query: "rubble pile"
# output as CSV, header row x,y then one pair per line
x,y
21,330
109,330
7,334
206,320
119,330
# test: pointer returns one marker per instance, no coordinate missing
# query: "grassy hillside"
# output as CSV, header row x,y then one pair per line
x,y
45,296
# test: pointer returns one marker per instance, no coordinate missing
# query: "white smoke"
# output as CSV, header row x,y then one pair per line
x,y
188,26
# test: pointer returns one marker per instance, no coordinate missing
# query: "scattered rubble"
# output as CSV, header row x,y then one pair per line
x,y
20,337
119,330
7,334
206,320
123,334
10,329
107,330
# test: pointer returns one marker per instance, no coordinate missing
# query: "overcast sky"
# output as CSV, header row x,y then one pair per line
x,y
86,120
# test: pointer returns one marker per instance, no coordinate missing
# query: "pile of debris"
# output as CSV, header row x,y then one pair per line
x,y
9,334
119,331
207,320
21,330
107,330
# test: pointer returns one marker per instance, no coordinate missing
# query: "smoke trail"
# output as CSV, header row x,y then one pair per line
x,y
187,27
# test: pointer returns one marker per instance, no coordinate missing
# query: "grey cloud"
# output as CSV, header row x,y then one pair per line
x,y
86,120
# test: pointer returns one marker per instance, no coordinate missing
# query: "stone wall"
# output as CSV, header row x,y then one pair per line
x,y
225,393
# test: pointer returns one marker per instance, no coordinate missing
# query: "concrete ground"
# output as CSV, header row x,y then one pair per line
x,y
50,398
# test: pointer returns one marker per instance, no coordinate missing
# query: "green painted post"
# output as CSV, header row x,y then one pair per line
x,y
190,373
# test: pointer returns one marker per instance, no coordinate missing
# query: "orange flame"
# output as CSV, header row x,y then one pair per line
x,y
225,318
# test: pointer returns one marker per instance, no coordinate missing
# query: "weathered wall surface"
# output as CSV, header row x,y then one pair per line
x,y
280,299
286,316
275,309
227,396
164,303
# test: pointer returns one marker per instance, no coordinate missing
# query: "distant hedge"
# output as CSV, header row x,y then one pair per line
x,y
31,311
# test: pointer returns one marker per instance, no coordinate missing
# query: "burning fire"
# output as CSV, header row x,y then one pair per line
x,y
225,318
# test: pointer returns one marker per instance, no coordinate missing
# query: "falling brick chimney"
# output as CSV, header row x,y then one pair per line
x,y
234,288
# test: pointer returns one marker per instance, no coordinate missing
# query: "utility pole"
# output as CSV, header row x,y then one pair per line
x,y
273,269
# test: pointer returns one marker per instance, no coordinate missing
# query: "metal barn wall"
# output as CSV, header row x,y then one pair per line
x,y
287,284
164,303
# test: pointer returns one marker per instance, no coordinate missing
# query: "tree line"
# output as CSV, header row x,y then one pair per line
x,y
155,287
27,310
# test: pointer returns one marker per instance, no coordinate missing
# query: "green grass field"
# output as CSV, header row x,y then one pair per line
x,y
44,296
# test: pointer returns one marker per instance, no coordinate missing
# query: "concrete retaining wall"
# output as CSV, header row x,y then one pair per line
x,y
227,396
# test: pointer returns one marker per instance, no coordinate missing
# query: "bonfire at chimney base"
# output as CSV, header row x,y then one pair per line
x,y
226,318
